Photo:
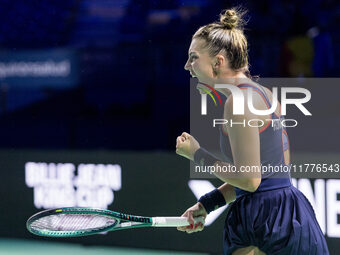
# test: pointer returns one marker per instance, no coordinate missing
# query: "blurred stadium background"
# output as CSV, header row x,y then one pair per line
x,y
100,83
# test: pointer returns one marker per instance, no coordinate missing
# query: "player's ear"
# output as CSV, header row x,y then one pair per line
x,y
219,62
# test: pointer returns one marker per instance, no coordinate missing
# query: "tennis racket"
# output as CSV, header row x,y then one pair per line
x,y
83,221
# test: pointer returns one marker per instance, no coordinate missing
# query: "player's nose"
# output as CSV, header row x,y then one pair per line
x,y
187,66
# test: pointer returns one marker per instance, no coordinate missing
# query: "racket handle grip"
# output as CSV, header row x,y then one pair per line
x,y
173,221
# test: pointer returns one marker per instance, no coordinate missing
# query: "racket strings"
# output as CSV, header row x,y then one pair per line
x,y
72,222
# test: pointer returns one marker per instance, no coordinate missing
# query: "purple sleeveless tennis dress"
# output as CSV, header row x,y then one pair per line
x,y
277,217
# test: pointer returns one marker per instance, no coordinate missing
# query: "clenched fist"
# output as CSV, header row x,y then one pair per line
x,y
186,145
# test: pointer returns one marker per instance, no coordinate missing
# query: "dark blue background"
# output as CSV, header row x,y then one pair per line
x,y
133,92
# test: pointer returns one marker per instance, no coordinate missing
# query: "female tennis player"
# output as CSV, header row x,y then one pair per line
x,y
268,215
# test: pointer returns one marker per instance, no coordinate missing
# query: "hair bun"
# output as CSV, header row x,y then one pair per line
x,y
230,19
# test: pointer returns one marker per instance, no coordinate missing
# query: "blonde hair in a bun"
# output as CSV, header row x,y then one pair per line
x,y
229,19
227,37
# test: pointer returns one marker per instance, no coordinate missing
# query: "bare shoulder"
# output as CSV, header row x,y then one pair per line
x,y
229,105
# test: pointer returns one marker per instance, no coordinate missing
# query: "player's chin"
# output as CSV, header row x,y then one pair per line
x,y
193,75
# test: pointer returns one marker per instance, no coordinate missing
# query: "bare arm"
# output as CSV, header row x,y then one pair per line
x,y
245,145
228,191
245,148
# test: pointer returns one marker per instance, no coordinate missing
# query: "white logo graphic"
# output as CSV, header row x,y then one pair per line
x,y
56,185
238,100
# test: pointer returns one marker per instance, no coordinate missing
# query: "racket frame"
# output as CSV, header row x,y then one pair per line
x,y
131,221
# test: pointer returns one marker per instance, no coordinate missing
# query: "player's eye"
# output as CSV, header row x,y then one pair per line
x,y
193,57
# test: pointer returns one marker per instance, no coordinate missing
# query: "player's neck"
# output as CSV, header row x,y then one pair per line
x,y
235,79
